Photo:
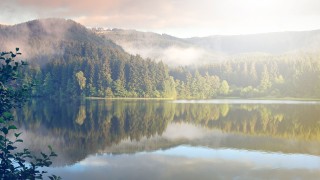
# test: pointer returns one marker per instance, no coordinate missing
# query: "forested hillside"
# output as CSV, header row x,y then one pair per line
x,y
40,40
85,70
68,60
289,75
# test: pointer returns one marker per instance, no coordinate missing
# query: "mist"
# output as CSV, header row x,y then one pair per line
x,y
174,55
171,50
38,39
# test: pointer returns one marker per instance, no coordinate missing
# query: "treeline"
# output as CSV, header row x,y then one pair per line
x,y
291,75
88,70
85,69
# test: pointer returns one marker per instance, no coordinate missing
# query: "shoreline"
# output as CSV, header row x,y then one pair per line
x,y
126,98
218,98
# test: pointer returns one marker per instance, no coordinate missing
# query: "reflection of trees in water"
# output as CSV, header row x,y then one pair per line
x,y
81,115
92,125
284,121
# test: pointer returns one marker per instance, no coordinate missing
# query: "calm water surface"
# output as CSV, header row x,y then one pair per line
x,y
145,139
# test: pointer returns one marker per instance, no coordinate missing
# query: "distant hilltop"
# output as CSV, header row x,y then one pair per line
x,y
272,43
203,50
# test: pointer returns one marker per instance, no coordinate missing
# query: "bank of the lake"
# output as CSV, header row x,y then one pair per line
x,y
217,98
127,98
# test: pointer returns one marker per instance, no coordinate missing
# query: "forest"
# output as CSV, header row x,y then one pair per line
x,y
89,71
290,75
67,60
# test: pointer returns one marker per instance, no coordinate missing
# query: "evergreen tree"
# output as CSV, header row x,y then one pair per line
x,y
265,82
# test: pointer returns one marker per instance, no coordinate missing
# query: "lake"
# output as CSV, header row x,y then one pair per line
x,y
163,139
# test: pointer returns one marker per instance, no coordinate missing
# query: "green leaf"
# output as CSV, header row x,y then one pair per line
x,y
19,140
53,154
4,130
9,147
50,148
12,127
17,134
7,114
44,155
1,120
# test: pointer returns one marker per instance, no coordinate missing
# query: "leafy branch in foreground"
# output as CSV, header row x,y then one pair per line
x,y
16,164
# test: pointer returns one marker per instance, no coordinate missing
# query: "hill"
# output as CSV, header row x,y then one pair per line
x,y
41,39
205,50
68,60
160,47
273,43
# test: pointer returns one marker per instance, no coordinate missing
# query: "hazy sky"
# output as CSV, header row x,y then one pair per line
x,y
182,18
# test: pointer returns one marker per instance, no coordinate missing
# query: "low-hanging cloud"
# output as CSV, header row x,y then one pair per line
x,y
174,55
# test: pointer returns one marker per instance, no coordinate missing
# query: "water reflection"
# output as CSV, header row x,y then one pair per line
x,y
80,129
206,164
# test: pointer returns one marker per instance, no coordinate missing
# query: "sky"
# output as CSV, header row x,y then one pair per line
x,y
181,18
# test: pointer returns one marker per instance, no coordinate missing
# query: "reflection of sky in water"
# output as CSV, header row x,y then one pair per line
x,y
259,159
186,162
209,140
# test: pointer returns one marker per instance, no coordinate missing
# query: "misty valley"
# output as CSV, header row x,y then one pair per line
x,y
125,104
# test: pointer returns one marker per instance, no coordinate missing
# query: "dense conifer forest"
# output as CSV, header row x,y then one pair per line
x,y
68,60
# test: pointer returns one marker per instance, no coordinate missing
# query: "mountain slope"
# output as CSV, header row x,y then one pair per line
x,y
274,43
203,50
68,60
171,50
48,37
